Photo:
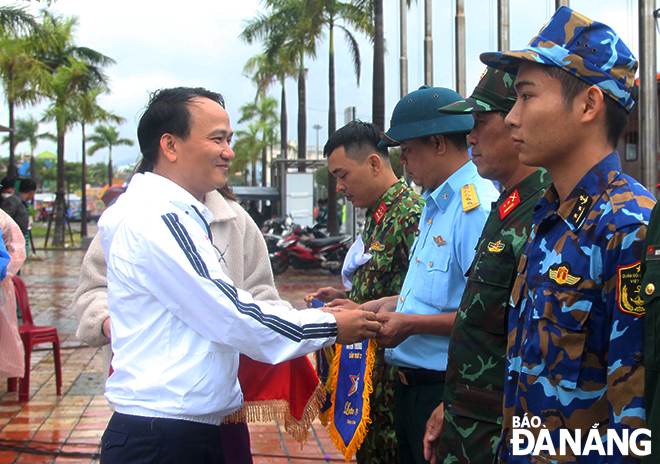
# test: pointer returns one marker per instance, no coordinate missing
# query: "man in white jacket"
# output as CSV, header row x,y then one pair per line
x,y
177,322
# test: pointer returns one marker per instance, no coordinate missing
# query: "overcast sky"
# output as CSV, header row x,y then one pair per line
x,y
195,43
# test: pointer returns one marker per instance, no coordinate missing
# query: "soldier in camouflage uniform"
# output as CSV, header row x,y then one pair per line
x,y
471,419
365,176
574,361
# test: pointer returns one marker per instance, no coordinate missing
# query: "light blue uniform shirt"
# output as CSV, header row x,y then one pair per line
x,y
439,260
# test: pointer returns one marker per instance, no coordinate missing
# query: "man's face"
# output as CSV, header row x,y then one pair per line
x,y
355,180
204,157
543,128
419,158
492,148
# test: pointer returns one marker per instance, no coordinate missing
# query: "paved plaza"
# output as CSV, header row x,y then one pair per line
x,y
68,428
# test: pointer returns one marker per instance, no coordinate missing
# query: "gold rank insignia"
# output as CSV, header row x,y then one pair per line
x,y
562,275
469,197
496,247
439,241
377,246
627,289
578,214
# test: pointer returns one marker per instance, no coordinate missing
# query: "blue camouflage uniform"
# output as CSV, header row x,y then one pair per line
x,y
576,327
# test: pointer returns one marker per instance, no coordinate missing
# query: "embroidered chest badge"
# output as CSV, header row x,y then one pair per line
x,y
379,214
496,247
510,204
377,246
439,241
627,289
562,274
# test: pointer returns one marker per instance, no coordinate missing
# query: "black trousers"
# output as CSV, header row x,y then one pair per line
x,y
147,440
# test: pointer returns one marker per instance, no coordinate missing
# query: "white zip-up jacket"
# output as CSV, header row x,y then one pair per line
x,y
177,321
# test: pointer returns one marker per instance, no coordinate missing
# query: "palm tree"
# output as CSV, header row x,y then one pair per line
x,y
73,69
287,32
27,131
106,137
88,111
264,110
247,148
22,76
336,14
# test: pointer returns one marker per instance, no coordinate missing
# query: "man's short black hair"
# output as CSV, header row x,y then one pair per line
x,y
616,117
27,185
168,113
7,183
360,139
459,140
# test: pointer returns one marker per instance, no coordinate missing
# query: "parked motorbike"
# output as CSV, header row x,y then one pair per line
x,y
302,248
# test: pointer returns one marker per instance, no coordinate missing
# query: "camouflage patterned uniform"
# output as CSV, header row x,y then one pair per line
x,y
389,241
576,328
475,369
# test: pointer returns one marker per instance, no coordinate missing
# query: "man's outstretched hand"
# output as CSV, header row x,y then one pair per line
x,y
355,326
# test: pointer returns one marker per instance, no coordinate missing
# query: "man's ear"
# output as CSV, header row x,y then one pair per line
x,y
592,101
168,147
440,144
375,163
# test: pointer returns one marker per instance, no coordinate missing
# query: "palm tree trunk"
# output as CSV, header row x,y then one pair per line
x,y
302,117
378,98
109,167
333,227
83,194
254,173
11,168
60,200
264,166
283,125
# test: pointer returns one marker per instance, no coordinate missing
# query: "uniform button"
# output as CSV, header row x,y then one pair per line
x,y
431,264
638,356
401,299
428,221
650,288
417,260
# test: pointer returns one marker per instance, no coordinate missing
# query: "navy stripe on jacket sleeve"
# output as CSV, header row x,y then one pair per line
x,y
283,327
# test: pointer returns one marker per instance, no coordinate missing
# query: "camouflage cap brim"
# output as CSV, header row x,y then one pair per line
x,y
469,105
494,92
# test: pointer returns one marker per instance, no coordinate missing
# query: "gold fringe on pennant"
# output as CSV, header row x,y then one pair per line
x,y
332,353
361,431
266,411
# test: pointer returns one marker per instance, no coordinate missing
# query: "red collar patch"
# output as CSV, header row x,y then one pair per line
x,y
379,214
510,204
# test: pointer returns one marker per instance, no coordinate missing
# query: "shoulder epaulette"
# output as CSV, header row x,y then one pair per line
x,y
469,197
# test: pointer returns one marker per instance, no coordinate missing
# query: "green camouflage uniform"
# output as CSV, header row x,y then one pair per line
x,y
389,241
475,368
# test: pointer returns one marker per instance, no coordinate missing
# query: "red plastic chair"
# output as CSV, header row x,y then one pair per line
x,y
33,335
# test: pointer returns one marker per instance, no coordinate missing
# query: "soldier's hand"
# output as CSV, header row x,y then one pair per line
x,y
431,438
355,326
325,295
342,303
394,331
383,305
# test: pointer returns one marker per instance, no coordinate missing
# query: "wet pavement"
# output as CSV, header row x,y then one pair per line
x,y
68,428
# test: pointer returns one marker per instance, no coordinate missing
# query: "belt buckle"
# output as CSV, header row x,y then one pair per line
x,y
402,377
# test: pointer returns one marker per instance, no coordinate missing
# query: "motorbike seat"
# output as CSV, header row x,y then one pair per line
x,y
324,242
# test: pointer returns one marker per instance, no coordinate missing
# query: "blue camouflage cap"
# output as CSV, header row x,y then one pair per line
x,y
416,115
588,49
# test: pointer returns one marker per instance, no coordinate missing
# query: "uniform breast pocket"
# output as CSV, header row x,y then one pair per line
x,y
555,343
490,284
435,272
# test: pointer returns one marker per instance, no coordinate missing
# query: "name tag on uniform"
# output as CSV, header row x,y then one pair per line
x,y
653,253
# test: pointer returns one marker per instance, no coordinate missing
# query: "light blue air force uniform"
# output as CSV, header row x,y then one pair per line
x,y
440,259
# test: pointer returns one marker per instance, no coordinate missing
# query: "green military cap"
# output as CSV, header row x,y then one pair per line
x,y
494,92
